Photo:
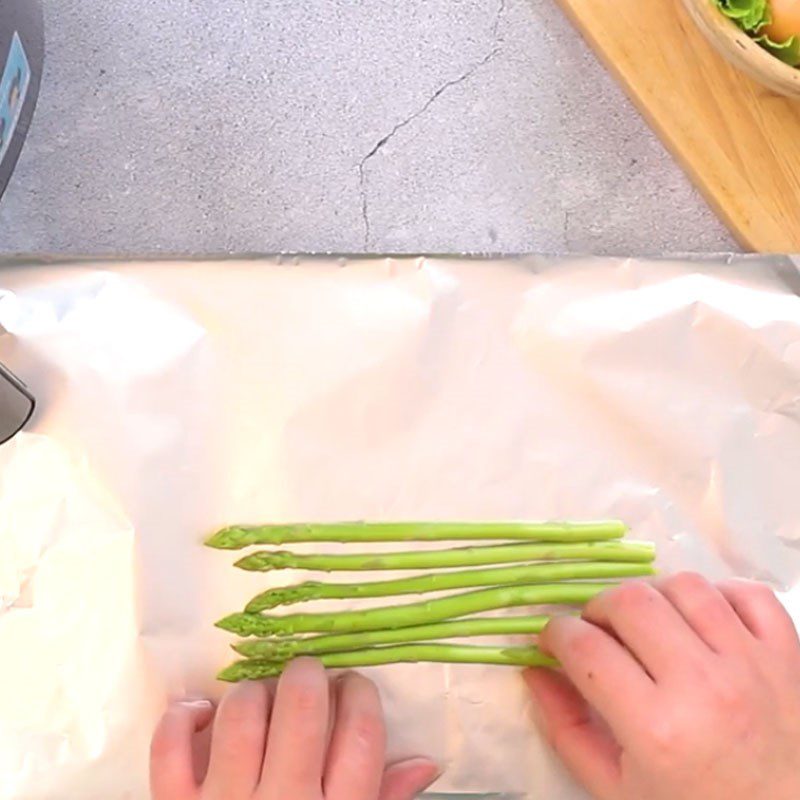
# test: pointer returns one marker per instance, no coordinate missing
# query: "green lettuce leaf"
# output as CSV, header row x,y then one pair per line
x,y
788,51
750,15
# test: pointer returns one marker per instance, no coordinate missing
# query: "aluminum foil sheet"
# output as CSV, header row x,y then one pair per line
x,y
178,397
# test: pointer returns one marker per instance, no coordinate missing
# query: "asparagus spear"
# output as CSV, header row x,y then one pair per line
x,y
287,649
459,654
438,581
236,537
263,561
373,619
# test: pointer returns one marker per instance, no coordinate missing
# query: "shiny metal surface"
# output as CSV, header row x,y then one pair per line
x,y
176,397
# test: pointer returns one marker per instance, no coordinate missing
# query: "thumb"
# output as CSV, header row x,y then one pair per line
x,y
406,779
566,720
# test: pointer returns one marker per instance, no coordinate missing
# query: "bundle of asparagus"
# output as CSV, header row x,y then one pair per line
x,y
551,564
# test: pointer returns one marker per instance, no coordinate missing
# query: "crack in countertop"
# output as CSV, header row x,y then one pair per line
x,y
362,177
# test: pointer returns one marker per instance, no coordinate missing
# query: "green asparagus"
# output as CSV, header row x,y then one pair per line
x,y
236,537
263,561
454,654
286,649
404,616
439,581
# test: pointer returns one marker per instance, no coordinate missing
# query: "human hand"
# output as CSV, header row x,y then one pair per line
x,y
303,738
679,689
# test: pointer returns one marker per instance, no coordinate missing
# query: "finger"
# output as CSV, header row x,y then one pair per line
x,y
603,671
705,610
761,612
586,749
648,625
407,779
358,747
298,734
171,761
238,740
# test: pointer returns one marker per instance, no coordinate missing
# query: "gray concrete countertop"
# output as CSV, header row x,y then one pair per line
x,y
338,125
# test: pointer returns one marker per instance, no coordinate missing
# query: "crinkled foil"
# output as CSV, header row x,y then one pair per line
x,y
177,397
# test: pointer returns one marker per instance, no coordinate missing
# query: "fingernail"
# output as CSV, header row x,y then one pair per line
x,y
196,705
420,761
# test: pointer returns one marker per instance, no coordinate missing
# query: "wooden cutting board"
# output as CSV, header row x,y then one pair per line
x,y
739,142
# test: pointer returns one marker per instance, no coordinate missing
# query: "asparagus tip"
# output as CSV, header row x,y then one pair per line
x,y
212,541
233,623
253,563
224,539
228,674
245,624
250,670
